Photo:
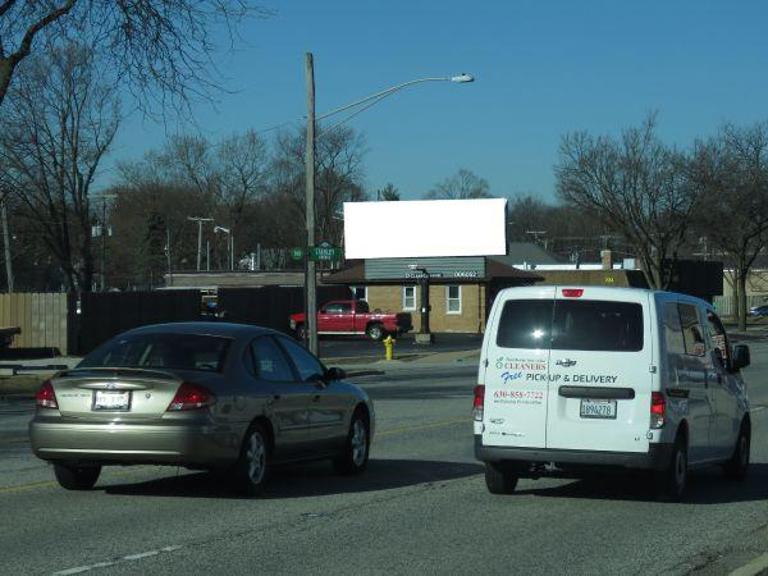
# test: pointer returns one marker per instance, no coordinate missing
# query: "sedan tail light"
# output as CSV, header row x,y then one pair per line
x,y
46,397
191,397
477,404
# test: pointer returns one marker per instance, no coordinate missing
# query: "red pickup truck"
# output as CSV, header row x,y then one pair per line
x,y
353,317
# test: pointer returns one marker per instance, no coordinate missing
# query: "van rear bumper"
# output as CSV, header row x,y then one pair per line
x,y
533,460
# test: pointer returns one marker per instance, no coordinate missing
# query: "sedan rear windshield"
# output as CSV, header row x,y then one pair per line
x,y
593,325
170,351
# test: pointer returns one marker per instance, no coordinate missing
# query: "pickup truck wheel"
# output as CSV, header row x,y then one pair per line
x,y
375,331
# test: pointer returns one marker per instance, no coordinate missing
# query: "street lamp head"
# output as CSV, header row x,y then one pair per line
x,y
463,78
218,229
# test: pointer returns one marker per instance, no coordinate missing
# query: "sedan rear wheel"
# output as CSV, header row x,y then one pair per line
x,y
252,470
355,457
72,477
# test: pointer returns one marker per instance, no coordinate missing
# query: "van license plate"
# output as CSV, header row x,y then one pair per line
x,y
598,408
110,400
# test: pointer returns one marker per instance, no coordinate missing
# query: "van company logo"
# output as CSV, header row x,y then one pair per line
x,y
511,376
520,364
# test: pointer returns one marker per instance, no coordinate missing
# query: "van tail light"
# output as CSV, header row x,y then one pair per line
x,y
658,409
191,397
46,397
477,404
573,292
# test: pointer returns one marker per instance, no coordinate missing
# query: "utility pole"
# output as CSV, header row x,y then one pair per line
x,y
310,278
7,245
199,221
103,240
168,253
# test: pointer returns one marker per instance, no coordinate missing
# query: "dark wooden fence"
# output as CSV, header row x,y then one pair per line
x,y
271,306
105,314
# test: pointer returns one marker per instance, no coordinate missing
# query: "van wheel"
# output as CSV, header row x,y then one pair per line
x,y
736,468
498,480
73,477
672,482
252,469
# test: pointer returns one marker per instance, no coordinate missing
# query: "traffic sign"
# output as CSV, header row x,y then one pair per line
x,y
324,251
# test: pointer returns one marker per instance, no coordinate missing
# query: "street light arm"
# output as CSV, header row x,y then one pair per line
x,y
461,78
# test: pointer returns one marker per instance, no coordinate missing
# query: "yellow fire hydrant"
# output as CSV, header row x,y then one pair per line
x,y
389,346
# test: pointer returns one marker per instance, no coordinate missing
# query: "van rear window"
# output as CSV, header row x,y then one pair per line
x,y
592,325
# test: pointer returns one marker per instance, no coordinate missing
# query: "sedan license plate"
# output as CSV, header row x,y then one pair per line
x,y
111,400
598,408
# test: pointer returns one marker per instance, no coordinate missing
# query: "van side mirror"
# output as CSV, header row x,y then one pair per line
x,y
741,358
335,374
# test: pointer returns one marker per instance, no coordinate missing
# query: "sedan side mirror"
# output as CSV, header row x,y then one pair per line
x,y
335,374
741,358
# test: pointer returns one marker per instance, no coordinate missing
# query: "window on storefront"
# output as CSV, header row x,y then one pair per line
x,y
453,299
409,297
359,292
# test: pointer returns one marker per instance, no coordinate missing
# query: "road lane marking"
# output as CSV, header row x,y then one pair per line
x,y
53,483
752,568
30,486
128,558
440,424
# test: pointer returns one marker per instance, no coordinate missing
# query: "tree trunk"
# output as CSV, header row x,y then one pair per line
x,y
742,298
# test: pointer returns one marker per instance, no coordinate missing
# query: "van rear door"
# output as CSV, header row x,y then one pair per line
x,y
517,369
600,370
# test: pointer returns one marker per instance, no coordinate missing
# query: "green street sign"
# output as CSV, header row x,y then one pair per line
x,y
297,253
324,251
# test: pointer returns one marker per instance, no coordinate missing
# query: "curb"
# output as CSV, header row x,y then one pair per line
x,y
756,566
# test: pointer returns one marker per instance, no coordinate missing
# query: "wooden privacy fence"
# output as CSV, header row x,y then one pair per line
x,y
42,318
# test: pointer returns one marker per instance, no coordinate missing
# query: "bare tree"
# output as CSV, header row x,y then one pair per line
x,y
389,193
61,121
338,175
462,185
730,171
159,48
638,188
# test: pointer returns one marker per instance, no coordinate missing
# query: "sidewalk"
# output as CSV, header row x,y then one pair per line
x,y
372,365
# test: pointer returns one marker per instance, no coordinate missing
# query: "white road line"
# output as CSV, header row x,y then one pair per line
x,y
753,568
128,558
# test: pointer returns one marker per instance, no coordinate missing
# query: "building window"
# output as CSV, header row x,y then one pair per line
x,y
359,292
409,297
453,299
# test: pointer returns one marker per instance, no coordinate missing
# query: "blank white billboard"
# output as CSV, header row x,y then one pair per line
x,y
421,228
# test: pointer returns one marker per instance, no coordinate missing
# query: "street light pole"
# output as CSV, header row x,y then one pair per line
x,y
310,277
199,221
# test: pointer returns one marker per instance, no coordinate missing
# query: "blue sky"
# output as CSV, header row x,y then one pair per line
x,y
543,68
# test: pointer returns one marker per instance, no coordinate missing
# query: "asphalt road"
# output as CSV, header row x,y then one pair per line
x,y
422,508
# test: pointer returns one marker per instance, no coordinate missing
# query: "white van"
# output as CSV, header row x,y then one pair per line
x,y
574,380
